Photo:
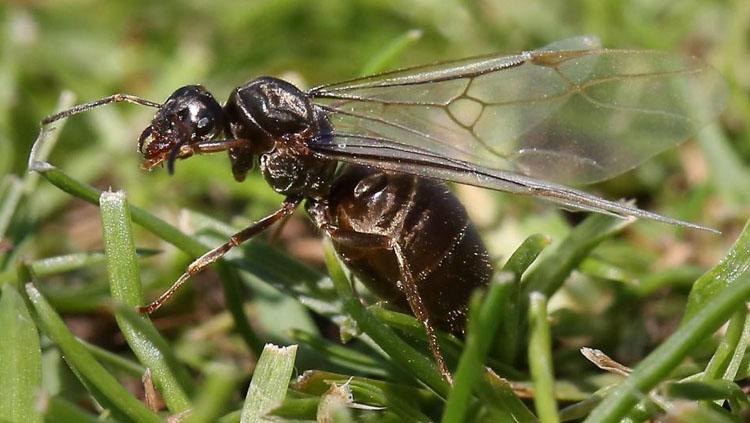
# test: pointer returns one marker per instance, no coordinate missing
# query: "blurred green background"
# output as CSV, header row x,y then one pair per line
x,y
97,48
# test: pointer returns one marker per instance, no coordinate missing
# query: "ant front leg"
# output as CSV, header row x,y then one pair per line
x,y
116,98
212,256
407,284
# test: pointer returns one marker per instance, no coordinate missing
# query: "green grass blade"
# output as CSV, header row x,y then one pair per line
x,y
550,273
517,264
125,284
483,322
10,200
702,324
405,401
270,382
106,388
296,409
65,263
540,360
340,355
214,394
231,283
693,413
733,344
385,58
20,358
115,361
498,395
60,410
526,254
729,272
402,353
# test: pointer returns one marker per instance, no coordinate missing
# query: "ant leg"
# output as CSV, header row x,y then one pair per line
x,y
212,256
217,145
408,285
409,288
116,98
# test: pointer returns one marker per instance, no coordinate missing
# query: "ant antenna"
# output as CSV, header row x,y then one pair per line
x,y
115,98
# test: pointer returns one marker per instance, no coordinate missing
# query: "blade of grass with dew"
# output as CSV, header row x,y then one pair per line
x,y
730,270
523,257
106,389
21,358
125,285
389,54
402,353
215,393
270,382
702,323
540,359
483,323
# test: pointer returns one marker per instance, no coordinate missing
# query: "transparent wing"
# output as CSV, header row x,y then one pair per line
x,y
570,113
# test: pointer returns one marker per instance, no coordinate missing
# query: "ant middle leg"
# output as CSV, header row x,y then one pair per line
x,y
212,256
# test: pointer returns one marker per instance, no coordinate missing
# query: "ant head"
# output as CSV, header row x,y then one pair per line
x,y
190,115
